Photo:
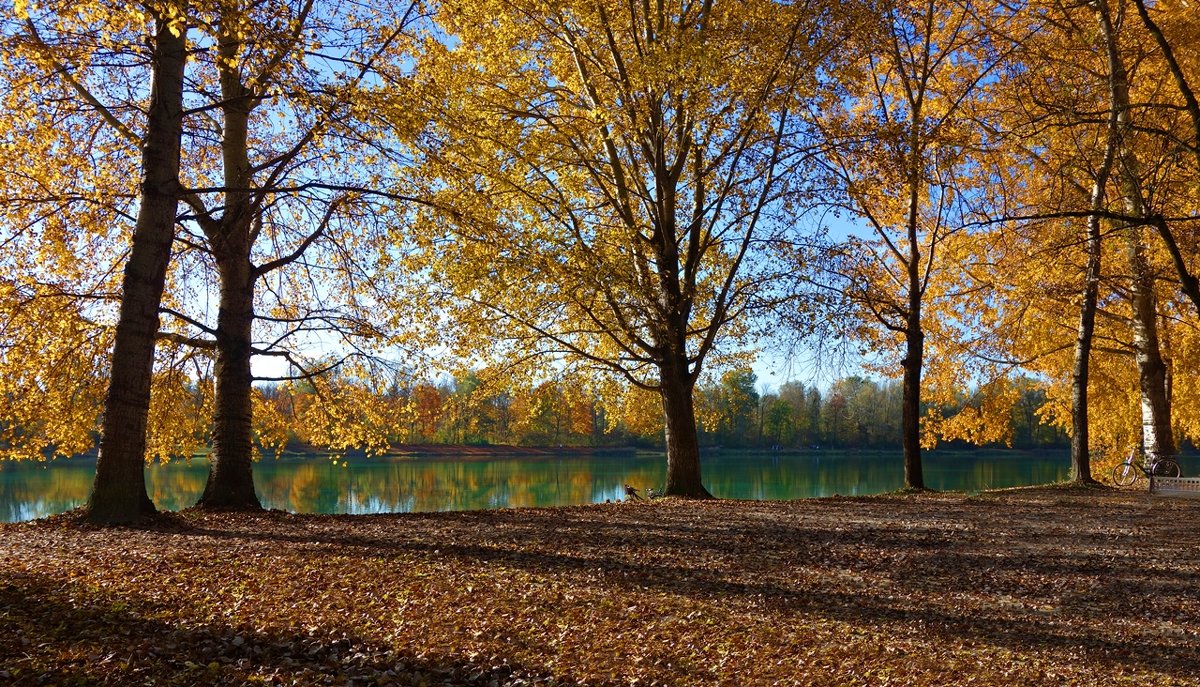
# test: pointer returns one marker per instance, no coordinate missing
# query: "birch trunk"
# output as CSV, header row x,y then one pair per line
x,y
1157,439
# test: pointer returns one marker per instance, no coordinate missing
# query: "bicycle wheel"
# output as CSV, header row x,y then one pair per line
x,y
1166,467
1124,474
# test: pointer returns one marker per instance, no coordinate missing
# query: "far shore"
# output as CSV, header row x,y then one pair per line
x,y
296,450
501,450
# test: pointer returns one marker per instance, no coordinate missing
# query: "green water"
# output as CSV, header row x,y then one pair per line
x,y
317,484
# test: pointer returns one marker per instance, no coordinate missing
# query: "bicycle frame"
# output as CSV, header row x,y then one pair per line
x,y
1131,469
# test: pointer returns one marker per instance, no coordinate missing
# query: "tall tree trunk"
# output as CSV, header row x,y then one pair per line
x,y
1152,372
1157,438
1081,467
914,333
230,483
683,445
231,478
910,417
119,491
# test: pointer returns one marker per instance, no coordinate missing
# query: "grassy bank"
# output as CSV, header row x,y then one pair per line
x,y
1024,587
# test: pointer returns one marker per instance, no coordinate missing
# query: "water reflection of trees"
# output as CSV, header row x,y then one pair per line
x,y
367,486
815,474
34,490
176,485
380,485
322,485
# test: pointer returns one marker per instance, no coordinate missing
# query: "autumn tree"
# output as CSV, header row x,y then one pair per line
x,y
1173,27
61,268
1098,171
1135,186
1050,165
1157,435
285,187
119,466
427,403
899,152
279,172
607,171
90,50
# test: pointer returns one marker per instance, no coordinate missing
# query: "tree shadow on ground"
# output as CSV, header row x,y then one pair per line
x,y
920,562
64,634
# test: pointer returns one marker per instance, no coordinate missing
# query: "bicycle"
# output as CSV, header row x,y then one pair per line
x,y
1127,472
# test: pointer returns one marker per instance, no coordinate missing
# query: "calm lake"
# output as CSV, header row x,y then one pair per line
x,y
318,484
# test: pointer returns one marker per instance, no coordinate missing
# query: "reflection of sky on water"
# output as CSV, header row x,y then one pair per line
x,y
319,485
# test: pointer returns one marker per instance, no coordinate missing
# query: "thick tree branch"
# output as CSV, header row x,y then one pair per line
x,y
193,342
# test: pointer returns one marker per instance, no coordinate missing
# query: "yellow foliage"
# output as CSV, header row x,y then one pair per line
x,y
597,173
347,409
639,411
52,371
178,425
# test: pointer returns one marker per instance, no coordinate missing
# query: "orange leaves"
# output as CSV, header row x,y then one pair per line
x,y
905,154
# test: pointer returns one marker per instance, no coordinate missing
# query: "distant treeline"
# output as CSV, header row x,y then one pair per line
x,y
855,412
734,412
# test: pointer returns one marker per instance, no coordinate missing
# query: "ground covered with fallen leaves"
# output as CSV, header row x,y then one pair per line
x,y
1030,587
